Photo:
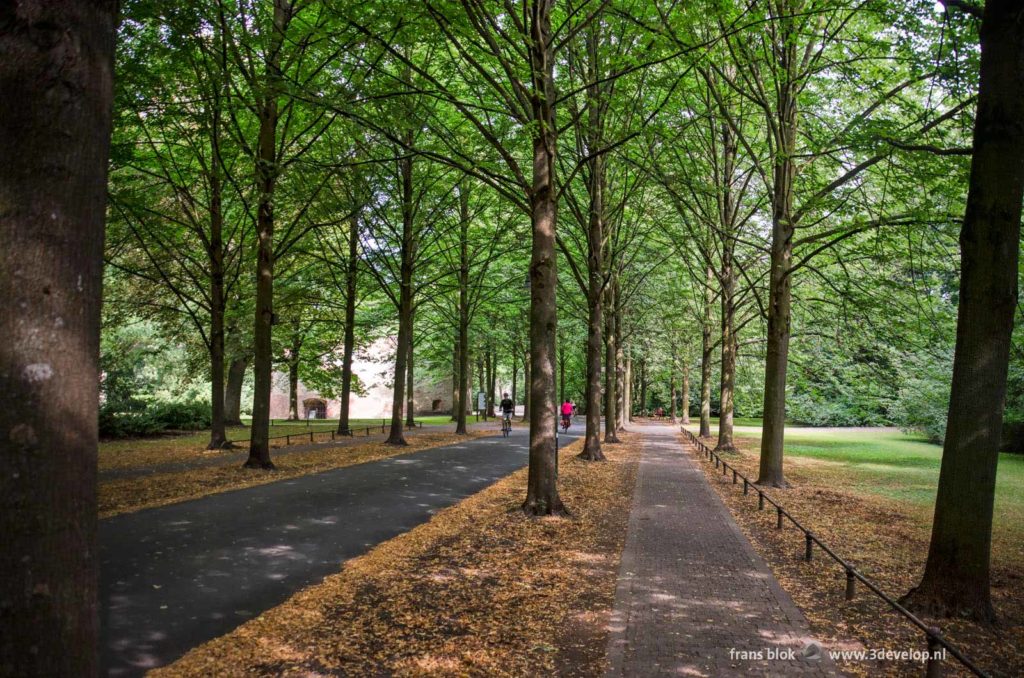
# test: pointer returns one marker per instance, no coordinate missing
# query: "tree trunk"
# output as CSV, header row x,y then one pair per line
x,y
779,281
489,360
672,391
463,343
455,378
707,350
482,385
405,308
643,386
956,576
233,392
215,250
515,379
349,346
266,179
596,183
410,387
561,369
56,68
727,279
293,389
686,393
610,373
527,381
625,402
542,482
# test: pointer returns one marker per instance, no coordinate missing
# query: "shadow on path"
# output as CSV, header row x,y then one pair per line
x,y
176,576
693,597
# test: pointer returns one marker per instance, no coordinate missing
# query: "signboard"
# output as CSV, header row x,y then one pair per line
x,y
481,401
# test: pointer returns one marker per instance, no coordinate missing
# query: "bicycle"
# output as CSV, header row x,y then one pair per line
x,y
506,423
566,422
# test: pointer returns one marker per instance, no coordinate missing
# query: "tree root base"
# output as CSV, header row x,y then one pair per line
x,y
931,603
260,465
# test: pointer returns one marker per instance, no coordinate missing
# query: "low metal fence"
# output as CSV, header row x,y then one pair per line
x,y
332,434
933,636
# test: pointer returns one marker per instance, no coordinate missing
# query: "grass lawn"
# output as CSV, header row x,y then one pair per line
x,y
136,452
870,494
888,464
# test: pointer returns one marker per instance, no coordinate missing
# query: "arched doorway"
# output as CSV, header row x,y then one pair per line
x,y
315,408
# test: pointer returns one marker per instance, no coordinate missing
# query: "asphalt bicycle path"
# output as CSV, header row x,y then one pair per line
x,y
176,576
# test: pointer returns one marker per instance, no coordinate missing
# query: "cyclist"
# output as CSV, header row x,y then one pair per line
x,y
566,414
507,408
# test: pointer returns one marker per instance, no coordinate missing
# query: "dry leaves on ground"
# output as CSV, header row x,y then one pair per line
x,y
122,495
884,539
479,590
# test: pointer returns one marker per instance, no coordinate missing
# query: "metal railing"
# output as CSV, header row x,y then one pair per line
x,y
384,425
933,637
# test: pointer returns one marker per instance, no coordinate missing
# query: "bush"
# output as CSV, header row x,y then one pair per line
x,y
153,418
182,416
115,424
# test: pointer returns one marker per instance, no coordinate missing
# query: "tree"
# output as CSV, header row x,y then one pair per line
x,y
56,75
956,577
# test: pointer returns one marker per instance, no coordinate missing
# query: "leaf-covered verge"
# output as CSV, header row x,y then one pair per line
x,y
481,589
122,495
887,540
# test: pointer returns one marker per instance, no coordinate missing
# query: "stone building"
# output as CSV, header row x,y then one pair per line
x,y
374,368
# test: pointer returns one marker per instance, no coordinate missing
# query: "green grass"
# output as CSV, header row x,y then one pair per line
x,y
890,464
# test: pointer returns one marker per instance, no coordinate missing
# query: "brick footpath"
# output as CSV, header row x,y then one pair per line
x,y
691,588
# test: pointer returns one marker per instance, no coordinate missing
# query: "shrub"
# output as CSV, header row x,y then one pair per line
x,y
152,418
187,416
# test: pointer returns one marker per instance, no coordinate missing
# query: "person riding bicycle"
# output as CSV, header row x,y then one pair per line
x,y
507,407
566,414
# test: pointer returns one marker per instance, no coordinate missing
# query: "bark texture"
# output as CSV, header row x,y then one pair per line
x,y
956,578
266,179
56,69
542,483
349,344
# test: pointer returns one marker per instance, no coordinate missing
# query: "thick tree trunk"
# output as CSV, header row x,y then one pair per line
x,y
56,69
779,281
542,482
405,302
686,393
728,376
706,353
233,391
482,385
596,184
349,346
410,387
674,396
218,434
455,378
527,381
610,373
727,280
266,179
463,342
293,389
643,386
956,576
625,402
592,442
515,378
489,365
561,370
215,249
294,356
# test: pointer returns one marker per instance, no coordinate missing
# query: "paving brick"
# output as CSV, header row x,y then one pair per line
x,y
691,588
